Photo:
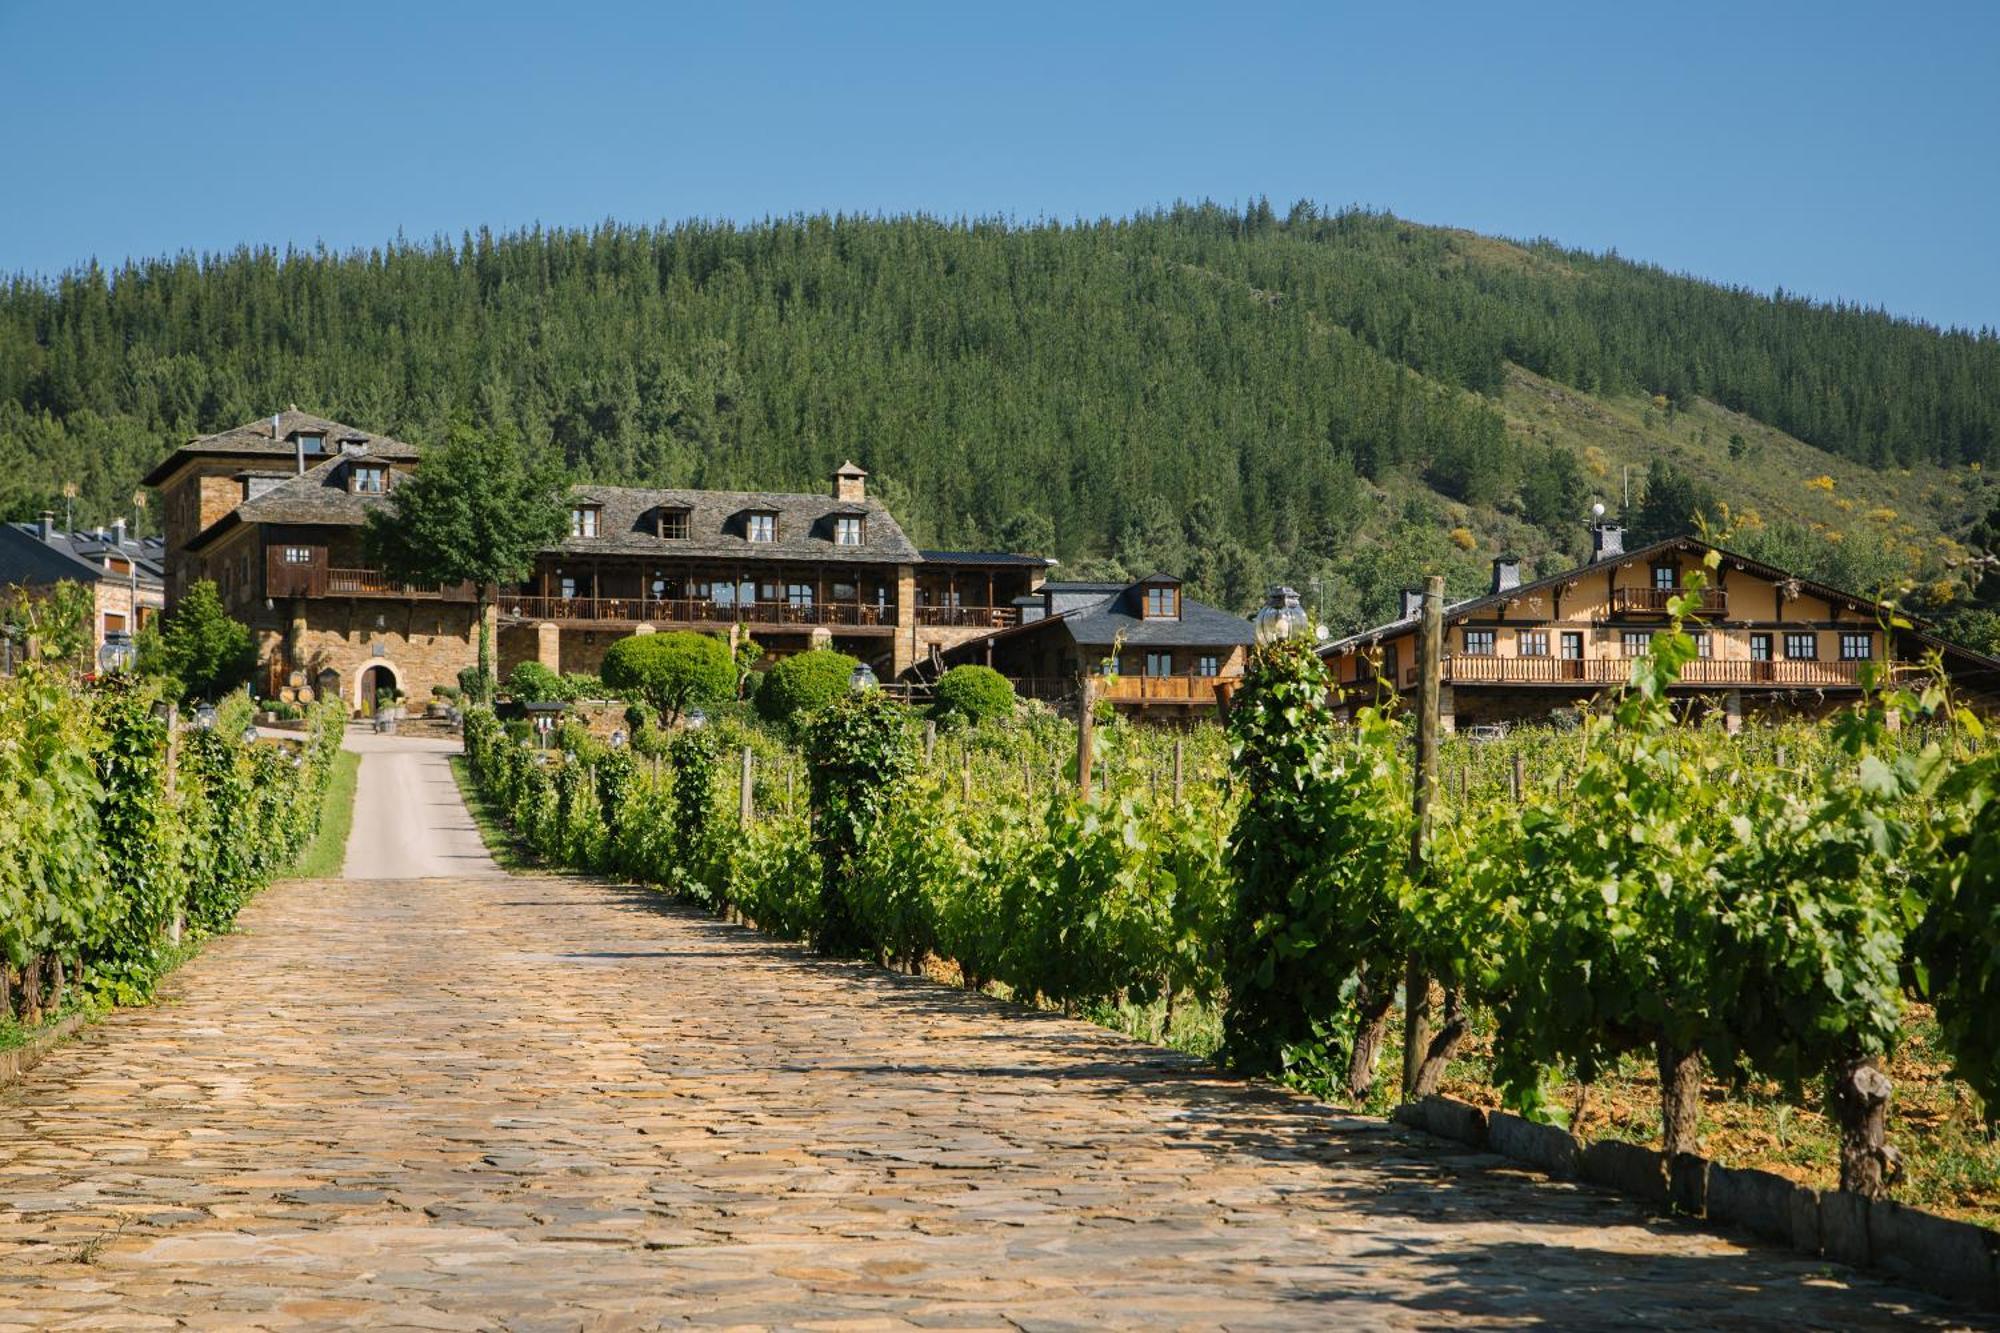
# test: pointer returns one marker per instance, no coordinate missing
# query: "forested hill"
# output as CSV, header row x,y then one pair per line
x,y
1237,394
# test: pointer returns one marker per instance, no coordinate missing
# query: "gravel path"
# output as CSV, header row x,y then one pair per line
x,y
409,822
541,1102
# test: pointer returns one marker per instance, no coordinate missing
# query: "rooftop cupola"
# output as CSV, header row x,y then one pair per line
x,y
1413,602
1606,540
850,482
1506,573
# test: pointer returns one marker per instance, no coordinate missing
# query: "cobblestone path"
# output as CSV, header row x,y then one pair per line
x,y
545,1103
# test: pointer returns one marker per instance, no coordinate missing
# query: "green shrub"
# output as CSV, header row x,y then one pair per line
x,y
973,694
803,684
672,672
472,685
532,683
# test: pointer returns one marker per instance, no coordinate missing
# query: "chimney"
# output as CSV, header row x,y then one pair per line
x,y
850,482
277,427
1506,572
118,531
300,442
1413,602
48,525
1606,540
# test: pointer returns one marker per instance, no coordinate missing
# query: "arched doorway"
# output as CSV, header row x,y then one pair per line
x,y
370,687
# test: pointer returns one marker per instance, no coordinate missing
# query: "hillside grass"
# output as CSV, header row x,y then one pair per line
x,y
327,852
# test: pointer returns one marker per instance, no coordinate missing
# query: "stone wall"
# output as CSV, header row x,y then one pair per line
x,y
418,644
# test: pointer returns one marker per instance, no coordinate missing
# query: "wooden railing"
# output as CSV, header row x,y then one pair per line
x,y
969,617
698,611
1788,673
374,583
1157,689
1653,601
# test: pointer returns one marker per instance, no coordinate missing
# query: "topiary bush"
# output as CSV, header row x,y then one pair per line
x,y
803,684
972,694
672,672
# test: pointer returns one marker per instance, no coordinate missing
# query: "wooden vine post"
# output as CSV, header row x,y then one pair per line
x,y
746,802
1085,727
1430,670
1180,758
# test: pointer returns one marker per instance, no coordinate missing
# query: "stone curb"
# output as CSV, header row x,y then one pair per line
x,y
1936,1254
22,1058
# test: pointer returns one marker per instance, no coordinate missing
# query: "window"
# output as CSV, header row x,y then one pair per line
x,y
583,521
1637,641
1159,664
568,586
847,530
1208,665
1163,604
1479,643
1702,646
1572,645
799,594
1760,647
1666,577
368,479
763,528
674,524
312,444
118,564
1534,643
1802,647
298,555
1856,647
114,622
657,589
844,592
722,594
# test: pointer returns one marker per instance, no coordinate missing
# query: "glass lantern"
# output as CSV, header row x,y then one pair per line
x,y
117,654
1281,616
695,719
204,717
861,679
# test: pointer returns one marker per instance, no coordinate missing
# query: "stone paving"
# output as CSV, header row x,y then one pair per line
x,y
546,1103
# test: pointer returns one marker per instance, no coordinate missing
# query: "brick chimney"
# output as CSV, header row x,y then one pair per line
x,y
1506,573
1606,540
850,482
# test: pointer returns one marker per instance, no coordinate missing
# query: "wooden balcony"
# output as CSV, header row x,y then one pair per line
x,y
373,583
699,612
1190,690
969,617
314,577
1653,601
1702,673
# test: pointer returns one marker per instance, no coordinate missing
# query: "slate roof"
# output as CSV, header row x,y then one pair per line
x,y
317,497
626,525
253,441
1098,622
76,556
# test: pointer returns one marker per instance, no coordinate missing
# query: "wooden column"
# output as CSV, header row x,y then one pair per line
x,y
1416,982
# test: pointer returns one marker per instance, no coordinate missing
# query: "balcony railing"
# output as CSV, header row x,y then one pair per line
x,y
698,611
969,617
374,583
1653,601
1788,673
1157,689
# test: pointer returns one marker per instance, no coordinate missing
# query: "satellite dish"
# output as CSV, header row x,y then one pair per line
x,y
1597,510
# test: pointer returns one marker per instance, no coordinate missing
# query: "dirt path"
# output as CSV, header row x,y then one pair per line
x,y
547,1103
409,822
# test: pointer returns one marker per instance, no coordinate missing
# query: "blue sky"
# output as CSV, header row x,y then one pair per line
x,y
1836,150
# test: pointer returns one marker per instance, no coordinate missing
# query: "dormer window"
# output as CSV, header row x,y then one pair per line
x,y
368,479
311,443
847,530
583,521
762,527
674,524
1163,602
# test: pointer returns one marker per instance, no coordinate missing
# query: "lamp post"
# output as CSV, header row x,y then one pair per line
x,y
695,719
1281,616
117,654
861,679
204,717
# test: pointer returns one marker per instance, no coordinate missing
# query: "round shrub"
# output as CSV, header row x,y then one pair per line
x,y
532,683
973,694
803,683
672,672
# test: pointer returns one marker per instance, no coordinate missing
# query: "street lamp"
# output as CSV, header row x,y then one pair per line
x,y
861,679
1281,617
695,719
204,717
117,654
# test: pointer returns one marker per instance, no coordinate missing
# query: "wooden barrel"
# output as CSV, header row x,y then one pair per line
x,y
305,694
288,694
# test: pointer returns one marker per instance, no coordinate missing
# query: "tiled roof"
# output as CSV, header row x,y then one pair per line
x,y
627,525
254,440
1199,626
985,558
77,556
